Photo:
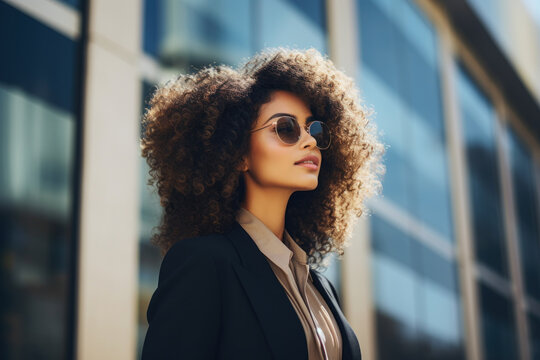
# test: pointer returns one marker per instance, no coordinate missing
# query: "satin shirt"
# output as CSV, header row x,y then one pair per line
x,y
289,263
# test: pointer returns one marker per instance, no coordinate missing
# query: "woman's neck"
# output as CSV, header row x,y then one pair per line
x,y
270,210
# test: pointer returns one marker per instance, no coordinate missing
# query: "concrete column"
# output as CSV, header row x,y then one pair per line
x,y
512,234
108,251
460,191
343,32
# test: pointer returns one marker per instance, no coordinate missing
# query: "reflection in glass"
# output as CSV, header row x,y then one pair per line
x,y
499,331
526,203
534,336
36,159
73,3
38,61
37,133
181,33
295,23
478,119
193,32
399,77
416,296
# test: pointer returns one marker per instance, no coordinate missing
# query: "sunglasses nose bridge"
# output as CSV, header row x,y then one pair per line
x,y
307,129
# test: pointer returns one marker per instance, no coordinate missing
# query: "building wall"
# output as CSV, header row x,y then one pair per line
x,y
445,266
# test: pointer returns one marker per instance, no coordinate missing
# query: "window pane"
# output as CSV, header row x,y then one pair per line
x,y
498,326
73,3
399,77
296,23
416,297
37,133
38,61
534,336
193,32
526,203
478,119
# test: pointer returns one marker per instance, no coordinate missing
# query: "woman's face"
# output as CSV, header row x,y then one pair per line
x,y
272,163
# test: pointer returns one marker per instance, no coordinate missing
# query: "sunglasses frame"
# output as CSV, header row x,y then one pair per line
x,y
306,127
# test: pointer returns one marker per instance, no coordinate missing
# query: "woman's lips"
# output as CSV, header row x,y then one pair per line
x,y
308,165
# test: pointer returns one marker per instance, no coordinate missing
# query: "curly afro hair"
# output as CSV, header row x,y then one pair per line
x,y
196,132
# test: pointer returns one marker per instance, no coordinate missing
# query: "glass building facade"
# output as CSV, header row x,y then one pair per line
x,y
451,262
39,87
413,253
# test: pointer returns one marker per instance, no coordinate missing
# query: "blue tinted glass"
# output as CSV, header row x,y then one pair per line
x,y
395,341
499,331
418,310
392,242
38,61
37,139
526,203
399,78
191,32
478,119
409,252
534,336
73,3
395,292
435,267
440,329
493,15
153,30
295,23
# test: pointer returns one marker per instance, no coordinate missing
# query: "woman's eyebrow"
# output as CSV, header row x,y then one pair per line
x,y
309,118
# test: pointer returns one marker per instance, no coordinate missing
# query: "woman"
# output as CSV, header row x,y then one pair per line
x,y
261,172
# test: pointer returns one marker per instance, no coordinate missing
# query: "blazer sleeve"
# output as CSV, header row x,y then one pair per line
x,y
184,311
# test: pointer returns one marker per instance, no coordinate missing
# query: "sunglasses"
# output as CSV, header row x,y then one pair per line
x,y
288,131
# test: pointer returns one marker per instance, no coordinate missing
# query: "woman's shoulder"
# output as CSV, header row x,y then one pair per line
x,y
204,248
210,243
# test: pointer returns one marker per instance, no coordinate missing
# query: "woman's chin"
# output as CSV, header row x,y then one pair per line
x,y
308,186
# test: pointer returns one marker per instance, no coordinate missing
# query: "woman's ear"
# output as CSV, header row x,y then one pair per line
x,y
243,165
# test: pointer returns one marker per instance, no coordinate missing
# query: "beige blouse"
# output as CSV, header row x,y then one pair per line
x,y
289,263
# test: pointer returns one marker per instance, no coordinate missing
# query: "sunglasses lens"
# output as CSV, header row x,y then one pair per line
x,y
321,133
288,130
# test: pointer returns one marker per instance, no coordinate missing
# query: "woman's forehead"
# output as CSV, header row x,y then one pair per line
x,y
283,101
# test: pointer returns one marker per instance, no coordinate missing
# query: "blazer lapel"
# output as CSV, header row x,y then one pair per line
x,y
351,348
283,329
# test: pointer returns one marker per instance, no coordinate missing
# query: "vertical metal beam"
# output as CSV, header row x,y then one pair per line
x,y
108,250
343,30
358,294
459,185
461,211
512,236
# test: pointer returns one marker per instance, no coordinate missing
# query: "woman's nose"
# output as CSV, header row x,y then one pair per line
x,y
310,139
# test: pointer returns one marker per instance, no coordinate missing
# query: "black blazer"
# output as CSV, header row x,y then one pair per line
x,y
218,298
